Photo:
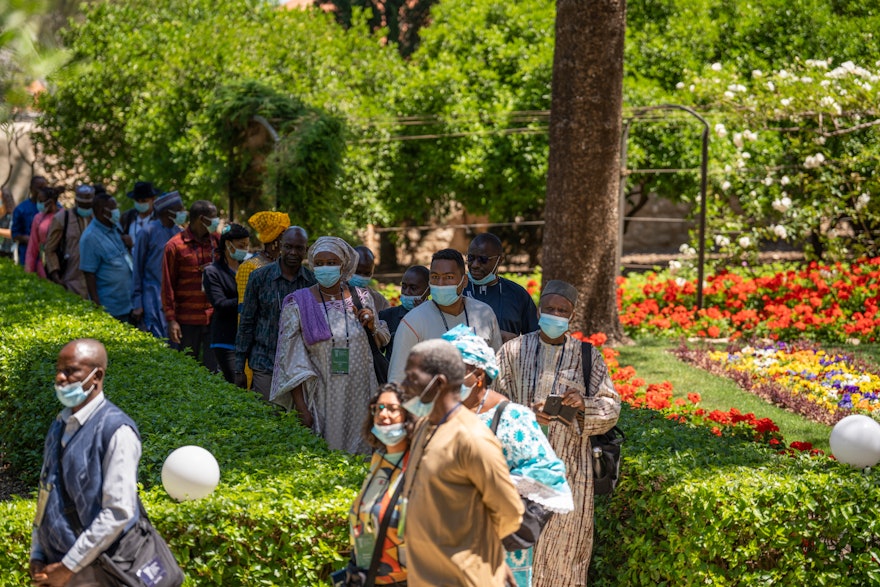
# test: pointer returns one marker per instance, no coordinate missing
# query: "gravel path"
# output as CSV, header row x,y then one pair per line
x,y
10,484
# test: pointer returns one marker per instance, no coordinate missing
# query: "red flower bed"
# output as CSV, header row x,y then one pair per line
x,y
819,302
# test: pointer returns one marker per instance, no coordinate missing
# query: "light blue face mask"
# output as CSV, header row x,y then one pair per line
x,y
73,394
238,254
359,280
553,326
391,434
180,217
328,275
114,216
142,207
41,207
490,277
212,224
410,302
416,406
84,212
446,295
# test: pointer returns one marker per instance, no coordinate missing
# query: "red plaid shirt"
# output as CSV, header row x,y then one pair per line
x,y
186,257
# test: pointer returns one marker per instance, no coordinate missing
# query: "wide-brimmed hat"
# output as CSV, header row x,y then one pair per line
x,y
143,190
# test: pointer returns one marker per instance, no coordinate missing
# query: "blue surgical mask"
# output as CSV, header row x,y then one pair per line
x,y
113,215
212,224
359,280
41,207
553,326
445,295
73,394
466,391
84,212
391,434
328,275
180,217
410,302
238,254
490,277
416,406
142,207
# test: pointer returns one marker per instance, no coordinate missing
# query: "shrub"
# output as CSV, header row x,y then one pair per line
x,y
278,516
695,509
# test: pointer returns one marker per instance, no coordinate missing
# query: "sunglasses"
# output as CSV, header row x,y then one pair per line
x,y
393,409
482,259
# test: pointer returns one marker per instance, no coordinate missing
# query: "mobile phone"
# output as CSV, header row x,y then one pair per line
x,y
553,407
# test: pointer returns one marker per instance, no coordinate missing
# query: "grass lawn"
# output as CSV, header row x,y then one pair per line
x,y
654,365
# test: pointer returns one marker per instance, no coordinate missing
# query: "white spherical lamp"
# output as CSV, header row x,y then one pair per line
x,y
855,440
190,472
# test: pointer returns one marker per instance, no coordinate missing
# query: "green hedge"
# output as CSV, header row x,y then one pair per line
x,y
695,509
692,508
278,516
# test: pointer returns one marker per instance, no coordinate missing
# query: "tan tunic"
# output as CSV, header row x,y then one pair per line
x,y
73,278
530,370
461,503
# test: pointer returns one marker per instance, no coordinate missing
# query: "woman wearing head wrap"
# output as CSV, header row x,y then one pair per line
x,y
324,364
537,472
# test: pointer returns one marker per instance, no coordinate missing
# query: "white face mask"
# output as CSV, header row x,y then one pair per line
x,y
391,434
416,406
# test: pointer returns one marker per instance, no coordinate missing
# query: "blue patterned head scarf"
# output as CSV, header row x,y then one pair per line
x,y
474,350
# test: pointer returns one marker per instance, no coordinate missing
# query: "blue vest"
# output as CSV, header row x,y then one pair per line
x,y
82,462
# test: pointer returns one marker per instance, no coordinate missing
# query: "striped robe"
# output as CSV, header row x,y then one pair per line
x,y
530,370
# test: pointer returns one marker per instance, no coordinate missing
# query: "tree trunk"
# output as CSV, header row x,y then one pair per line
x,y
581,213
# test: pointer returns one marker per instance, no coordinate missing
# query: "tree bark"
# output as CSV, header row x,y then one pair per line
x,y
581,211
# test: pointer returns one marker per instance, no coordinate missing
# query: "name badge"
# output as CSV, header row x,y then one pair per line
x,y
364,545
339,361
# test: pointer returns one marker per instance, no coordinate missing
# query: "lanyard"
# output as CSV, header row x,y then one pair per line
x,y
535,373
442,317
344,314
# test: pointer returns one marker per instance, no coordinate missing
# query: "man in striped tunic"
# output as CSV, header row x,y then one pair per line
x,y
548,363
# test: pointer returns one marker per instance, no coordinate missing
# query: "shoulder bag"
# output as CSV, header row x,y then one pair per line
x,y
606,447
138,558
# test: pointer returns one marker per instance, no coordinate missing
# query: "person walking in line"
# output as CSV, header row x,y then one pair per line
x,y
220,287
47,206
23,216
545,364
187,255
105,261
414,291
62,243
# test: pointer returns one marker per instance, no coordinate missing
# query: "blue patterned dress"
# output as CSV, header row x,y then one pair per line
x,y
537,472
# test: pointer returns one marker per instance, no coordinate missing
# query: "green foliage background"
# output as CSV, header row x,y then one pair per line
x,y
464,118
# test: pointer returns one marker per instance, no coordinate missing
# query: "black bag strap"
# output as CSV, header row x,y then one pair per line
x,y
587,364
356,300
383,531
497,418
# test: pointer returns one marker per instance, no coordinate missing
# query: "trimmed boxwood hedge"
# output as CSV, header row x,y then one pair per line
x,y
691,509
278,516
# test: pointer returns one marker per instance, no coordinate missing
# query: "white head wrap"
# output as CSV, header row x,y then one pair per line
x,y
340,248
474,350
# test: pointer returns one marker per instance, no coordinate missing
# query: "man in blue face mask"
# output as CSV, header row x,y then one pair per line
x,y
105,261
414,290
447,309
144,196
512,304
458,487
89,474
62,243
363,275
549,364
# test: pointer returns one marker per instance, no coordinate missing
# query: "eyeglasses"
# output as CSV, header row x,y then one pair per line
x,y
481,259
392,409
